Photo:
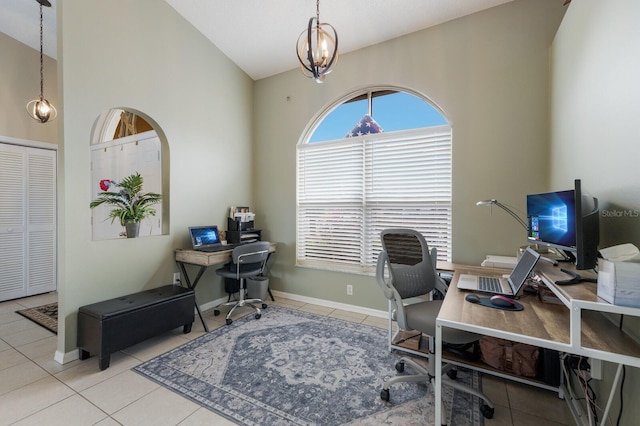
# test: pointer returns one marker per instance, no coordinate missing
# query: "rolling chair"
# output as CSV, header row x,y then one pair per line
x,y
247,260
406,269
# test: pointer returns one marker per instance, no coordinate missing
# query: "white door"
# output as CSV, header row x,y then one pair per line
x,y
27,221
41,221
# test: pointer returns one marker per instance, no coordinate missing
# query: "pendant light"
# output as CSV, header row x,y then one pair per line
x,y
41,109
317,48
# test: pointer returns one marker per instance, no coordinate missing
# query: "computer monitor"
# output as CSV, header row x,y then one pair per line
x,y
568,221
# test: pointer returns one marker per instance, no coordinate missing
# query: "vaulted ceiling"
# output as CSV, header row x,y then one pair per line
x,y
260,35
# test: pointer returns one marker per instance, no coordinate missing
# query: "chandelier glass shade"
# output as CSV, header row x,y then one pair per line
x,y
317,48
41,109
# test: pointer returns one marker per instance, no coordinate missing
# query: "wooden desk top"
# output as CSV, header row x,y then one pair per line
x,y
203,258
541,324
582,291
537,321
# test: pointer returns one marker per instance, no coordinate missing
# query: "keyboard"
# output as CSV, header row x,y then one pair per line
x,y
492,285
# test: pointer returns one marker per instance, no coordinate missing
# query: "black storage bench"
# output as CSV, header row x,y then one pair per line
x,y
109,326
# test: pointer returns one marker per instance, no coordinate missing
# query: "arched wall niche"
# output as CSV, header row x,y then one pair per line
x,y
126,141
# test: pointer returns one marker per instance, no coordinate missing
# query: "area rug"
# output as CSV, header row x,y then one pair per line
x,y
45,316
296,368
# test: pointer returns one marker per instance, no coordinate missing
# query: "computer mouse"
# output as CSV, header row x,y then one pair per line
x,y
473,298
501,301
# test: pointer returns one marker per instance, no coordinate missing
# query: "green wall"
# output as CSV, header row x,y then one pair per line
x,y
594,133
143,55
20,77
488,72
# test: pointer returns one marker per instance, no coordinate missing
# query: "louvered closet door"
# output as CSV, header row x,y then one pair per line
x,y
12,222
41,221
27,221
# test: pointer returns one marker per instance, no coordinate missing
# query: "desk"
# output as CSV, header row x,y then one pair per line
x,y
204,260
577,327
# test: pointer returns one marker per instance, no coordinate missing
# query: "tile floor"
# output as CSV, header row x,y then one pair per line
x,y
36,390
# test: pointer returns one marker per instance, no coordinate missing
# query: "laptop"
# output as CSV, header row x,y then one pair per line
x,y
207,238
510,286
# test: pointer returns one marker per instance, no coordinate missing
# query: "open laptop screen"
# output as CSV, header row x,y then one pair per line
x,y
522,270
204,236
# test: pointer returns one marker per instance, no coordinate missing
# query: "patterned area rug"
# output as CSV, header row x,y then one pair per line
x,y
296,368
45,316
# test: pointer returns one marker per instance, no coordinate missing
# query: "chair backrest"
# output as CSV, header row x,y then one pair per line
x,y
411,265
411,269
257,252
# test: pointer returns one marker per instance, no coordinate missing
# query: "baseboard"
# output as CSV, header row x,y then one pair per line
x,y
311,300
63,358
212,304
331,304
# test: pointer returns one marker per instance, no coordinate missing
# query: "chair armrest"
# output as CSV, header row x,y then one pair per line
x,y
441,286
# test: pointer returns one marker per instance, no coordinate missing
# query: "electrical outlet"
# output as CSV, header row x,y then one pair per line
x,y
349,290
176,278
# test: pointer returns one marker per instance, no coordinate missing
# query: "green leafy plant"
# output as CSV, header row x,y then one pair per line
x,y
130,203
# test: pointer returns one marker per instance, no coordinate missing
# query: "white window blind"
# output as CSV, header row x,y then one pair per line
x,y
350,190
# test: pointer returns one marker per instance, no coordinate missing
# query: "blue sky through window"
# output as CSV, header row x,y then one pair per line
x,y
393,112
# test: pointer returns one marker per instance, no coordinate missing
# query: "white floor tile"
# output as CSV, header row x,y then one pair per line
x,y
204,417
10,358
87,373
46,346
28,335
72,411
32,398
18,326
160,407
119,391
20,375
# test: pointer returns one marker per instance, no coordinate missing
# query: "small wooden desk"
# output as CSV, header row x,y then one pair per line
x,y
577,327
204,260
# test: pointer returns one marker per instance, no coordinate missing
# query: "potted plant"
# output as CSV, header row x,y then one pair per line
x,y
131,205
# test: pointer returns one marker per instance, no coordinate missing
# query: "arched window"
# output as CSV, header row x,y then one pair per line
x,y
380,159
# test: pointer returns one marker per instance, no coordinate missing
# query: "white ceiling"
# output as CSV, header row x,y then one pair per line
x,y
260,35
20,19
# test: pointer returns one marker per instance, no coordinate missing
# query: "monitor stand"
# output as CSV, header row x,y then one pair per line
x,y
575,278
568,257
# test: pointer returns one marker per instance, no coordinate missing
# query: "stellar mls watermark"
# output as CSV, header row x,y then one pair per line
x,y
621,213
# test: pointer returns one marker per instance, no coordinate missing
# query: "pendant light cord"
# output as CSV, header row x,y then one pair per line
x,y
41,61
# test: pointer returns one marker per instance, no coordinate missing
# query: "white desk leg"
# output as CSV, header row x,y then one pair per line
x,y
438,387
612,393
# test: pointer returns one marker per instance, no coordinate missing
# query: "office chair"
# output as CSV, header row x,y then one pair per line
x,y
247,260
406,269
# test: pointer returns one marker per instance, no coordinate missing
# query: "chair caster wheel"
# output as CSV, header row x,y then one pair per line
x,y
453,374
258,316
487,411
384,395
216,312
229,321
264,306
399,367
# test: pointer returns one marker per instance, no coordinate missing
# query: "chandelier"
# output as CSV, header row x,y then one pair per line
x,y
41,109
317,48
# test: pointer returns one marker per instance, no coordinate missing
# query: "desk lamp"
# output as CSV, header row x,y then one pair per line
x,y
494,202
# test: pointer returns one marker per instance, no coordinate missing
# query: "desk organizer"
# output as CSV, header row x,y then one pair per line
x,y
242,232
